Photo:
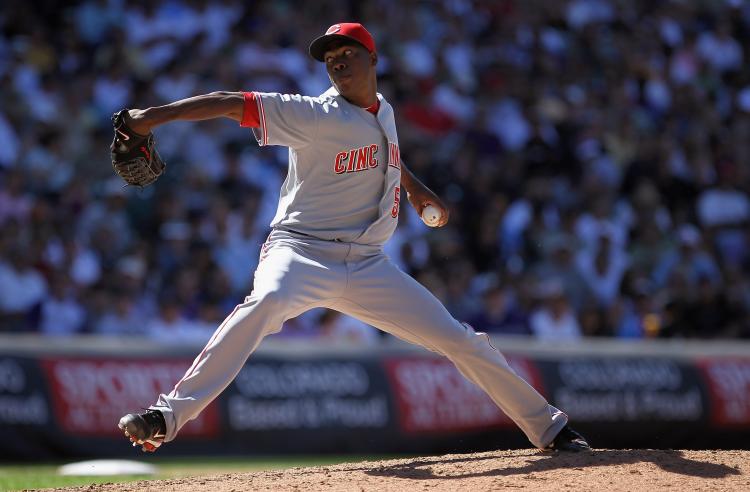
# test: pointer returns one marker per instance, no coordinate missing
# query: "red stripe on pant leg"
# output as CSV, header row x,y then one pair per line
x,y
489,342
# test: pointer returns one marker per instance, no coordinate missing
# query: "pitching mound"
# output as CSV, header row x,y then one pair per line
x,y
521,469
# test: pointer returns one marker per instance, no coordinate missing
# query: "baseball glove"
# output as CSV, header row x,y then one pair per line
x,y
134,156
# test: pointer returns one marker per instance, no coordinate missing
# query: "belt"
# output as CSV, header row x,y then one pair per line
x,y
337,240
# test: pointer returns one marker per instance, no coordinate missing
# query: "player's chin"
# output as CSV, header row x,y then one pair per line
x,y
344,86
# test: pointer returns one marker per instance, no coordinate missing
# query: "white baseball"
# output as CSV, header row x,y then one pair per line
x,y
431,215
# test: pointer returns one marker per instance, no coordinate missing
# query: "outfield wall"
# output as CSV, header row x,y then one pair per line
x,y
62,398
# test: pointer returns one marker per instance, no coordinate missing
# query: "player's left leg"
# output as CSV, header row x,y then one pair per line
x,y
293,276
380,294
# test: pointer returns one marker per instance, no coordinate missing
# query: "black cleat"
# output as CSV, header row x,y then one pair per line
x,y
570,441
144,429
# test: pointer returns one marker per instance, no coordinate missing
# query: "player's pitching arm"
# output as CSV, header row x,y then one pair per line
x,y
231,105
196,108
421,196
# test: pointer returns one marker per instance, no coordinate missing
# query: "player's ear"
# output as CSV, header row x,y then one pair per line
x,y
373,58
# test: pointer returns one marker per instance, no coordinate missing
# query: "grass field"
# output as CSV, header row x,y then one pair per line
x,y
19,477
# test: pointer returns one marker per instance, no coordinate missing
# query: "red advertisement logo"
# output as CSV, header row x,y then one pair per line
x,y
729,387
432,396
90,395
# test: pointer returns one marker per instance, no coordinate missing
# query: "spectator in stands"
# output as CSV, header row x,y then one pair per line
x,y
500,314
692,260
709,313
602,268
15,201
559,263
336,326
22,289
636,315
61,313
725,211
78,261
554,319
123,318
171,326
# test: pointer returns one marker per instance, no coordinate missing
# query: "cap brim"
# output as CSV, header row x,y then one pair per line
x,y
319,45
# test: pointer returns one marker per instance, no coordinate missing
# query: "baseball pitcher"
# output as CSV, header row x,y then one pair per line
x,y
337,207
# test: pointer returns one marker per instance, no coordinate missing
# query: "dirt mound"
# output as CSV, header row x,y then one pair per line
x,y
523,469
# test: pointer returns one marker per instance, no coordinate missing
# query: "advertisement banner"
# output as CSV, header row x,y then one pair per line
x,y
368,403
23,399
89,395
728,382
307,395
626,390
433,397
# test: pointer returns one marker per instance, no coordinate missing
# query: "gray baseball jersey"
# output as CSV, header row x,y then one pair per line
x,y
339,155
338,205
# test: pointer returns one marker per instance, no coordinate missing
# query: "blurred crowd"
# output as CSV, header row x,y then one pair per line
x,y
594,154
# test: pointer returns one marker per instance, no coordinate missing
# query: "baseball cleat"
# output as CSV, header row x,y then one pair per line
x,y
568,440
144,429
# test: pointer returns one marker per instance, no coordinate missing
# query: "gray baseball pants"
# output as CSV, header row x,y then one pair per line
x,y
297,273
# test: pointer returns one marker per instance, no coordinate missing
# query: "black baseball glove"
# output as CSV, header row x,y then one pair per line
x,y
134,156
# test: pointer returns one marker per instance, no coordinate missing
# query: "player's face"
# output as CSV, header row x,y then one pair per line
x,y
350,67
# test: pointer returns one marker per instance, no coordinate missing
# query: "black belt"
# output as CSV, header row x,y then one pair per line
x,y
337,240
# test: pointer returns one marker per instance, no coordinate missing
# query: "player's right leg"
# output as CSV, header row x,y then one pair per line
x,y
380,294
290,279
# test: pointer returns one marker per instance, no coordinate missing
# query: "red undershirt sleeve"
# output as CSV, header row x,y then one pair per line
x,y
250,115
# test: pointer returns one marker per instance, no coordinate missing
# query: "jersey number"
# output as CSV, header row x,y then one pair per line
x,y
396,201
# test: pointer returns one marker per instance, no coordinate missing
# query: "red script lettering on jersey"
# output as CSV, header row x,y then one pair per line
x,y
394,155
354,160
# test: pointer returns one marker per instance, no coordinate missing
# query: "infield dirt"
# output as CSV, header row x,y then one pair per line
x,y
618,470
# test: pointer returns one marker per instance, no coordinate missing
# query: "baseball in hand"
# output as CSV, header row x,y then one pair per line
x,y
431,215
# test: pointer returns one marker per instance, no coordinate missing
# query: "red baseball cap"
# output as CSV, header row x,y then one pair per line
x,y
345,30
